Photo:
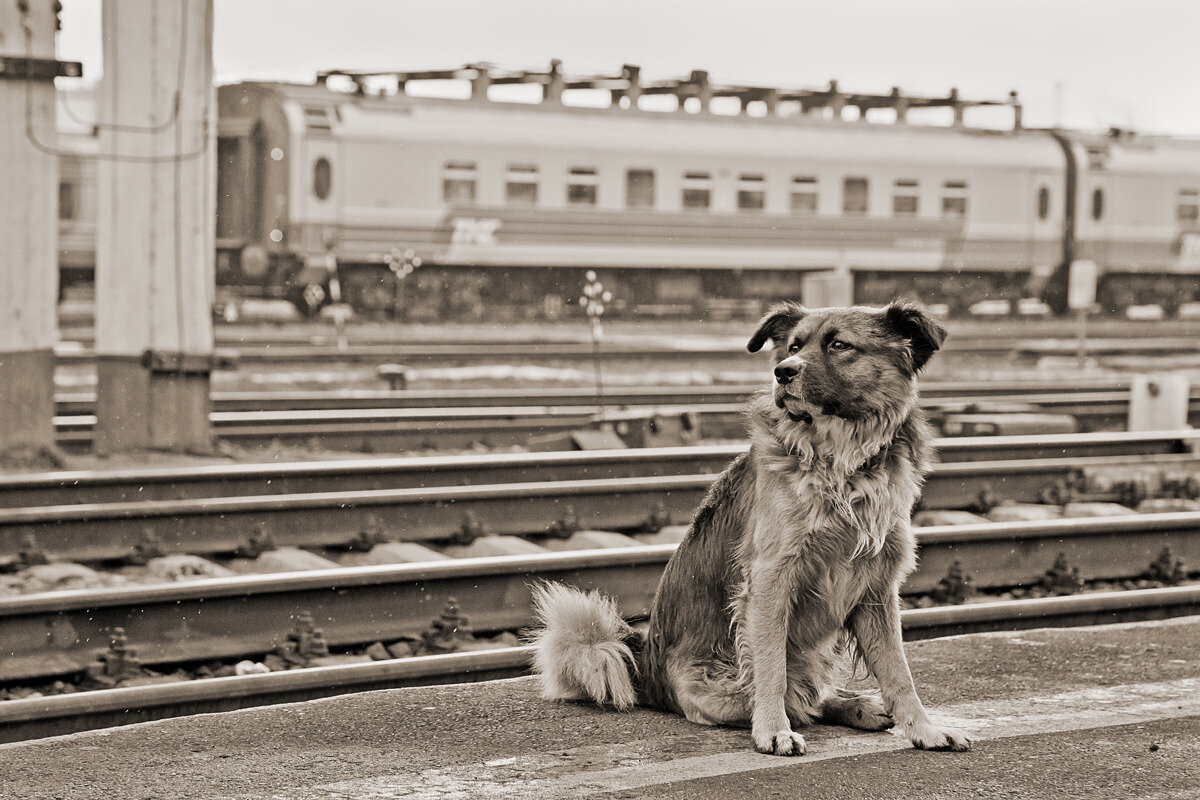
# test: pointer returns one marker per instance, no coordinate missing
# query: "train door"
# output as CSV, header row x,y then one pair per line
x,y
241,154
320,213
1046,226
1094,208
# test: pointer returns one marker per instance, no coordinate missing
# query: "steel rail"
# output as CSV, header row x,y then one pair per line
x,y
370,430
59,633
951,485
83,403
400,427
34,718
114,530
440,354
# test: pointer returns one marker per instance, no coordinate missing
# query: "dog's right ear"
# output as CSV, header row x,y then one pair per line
x,y
775,325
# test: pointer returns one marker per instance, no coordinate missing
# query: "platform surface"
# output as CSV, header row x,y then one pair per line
x,y
1109,712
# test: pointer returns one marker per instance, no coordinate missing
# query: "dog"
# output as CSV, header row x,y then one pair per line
x,y
794,559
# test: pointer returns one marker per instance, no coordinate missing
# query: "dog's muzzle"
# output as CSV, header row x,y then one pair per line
x,y
787,370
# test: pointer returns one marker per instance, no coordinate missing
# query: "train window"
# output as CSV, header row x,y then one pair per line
x,y
1043,202
697,190
521,188
316,119
904,198
1097,204
459,182
854,196
1187,205
804,194
66,200
752,194
639,188
581,186
322,178
954,199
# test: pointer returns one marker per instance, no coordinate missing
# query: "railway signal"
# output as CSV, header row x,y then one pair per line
x,y
593,299
401,263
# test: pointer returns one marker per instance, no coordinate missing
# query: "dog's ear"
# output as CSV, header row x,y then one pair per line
x,y
911,321
775,325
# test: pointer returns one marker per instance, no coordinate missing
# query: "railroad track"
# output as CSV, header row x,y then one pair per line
x,y
84,403
1044,459
436,354
399,429
448,499
45,716
56,633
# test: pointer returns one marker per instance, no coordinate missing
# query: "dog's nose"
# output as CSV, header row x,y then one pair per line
x,y
785,372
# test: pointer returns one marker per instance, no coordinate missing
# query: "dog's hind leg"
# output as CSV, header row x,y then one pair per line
x,y
856,710
809,678
711,696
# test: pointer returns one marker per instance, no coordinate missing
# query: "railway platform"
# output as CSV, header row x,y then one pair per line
x,y
1101,712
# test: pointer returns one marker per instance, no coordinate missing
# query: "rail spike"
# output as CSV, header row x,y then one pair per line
x,y
956,587
372,534
658,519
448,632
470,529
1063,577
258,542
1167,569
985,501
30,555
149,546
304,642
564,526
117,664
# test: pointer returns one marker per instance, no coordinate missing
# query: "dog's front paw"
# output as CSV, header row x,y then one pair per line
x,y
779,743
934,737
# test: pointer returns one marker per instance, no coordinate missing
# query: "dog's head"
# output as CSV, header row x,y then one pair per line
x,y
852,363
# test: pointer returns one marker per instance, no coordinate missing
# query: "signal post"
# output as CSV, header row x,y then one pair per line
x,y
28,228
155,249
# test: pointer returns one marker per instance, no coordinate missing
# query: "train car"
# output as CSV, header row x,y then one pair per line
x,y
1137,215
428,207
504,204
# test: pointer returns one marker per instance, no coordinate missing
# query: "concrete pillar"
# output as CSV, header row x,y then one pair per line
x,y
155,251
28,235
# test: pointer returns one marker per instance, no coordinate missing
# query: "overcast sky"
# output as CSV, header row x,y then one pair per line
x,y
1116,63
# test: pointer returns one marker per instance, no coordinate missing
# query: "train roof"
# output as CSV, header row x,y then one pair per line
x,y
589,129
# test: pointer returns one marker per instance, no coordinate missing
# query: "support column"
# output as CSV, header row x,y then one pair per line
x,y
28,231
155,252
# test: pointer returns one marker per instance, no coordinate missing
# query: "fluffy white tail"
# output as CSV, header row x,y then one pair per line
x,y
581,648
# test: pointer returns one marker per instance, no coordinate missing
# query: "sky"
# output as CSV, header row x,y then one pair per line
x,y
1087,64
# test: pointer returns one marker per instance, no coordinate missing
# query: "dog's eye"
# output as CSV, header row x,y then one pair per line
x,y
838,344
795,348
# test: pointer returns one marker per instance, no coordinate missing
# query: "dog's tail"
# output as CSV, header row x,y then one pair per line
x,y
583,647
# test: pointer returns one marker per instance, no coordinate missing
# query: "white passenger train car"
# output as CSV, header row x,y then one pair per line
x,y
435,206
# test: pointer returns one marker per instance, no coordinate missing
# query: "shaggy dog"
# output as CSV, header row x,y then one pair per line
x,y
795,555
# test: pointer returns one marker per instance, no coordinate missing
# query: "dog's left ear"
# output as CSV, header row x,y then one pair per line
x,y
775,325
911,321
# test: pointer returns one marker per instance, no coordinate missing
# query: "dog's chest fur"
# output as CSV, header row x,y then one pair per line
x,y
829,486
